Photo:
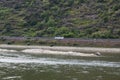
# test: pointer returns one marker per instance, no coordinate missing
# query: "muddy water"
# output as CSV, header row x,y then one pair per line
x,y
21,66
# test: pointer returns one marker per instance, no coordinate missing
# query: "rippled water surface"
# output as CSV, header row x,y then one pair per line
x,y
20,66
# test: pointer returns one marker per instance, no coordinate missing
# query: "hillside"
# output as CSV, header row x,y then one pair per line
x,y
68,18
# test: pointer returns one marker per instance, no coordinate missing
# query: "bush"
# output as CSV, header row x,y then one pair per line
x,y
69,35
100,1
10,42
2,39
116,7
101,34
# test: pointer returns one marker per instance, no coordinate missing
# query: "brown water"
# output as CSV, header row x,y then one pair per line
x,y
20,66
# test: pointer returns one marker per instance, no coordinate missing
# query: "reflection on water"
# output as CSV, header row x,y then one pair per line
x,y
19,66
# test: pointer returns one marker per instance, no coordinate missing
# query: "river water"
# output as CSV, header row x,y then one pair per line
x,y
23,66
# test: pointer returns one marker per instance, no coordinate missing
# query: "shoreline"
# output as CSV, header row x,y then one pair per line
x,y
49,41
63,48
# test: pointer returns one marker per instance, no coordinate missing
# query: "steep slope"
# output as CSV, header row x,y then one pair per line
x,y
68,18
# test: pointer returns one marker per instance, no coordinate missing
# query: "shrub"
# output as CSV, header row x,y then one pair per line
x,y
10,42
101,34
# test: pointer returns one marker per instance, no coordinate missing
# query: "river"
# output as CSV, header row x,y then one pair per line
x,y
23,66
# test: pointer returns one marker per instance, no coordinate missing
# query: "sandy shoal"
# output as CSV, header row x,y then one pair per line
x,y
64,48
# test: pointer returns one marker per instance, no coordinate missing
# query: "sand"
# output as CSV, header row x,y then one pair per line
x,y
61,50
43,51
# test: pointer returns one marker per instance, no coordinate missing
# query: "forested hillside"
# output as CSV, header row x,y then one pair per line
x,y
68,18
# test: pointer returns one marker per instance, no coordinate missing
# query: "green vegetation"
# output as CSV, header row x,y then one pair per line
x,y
68,18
